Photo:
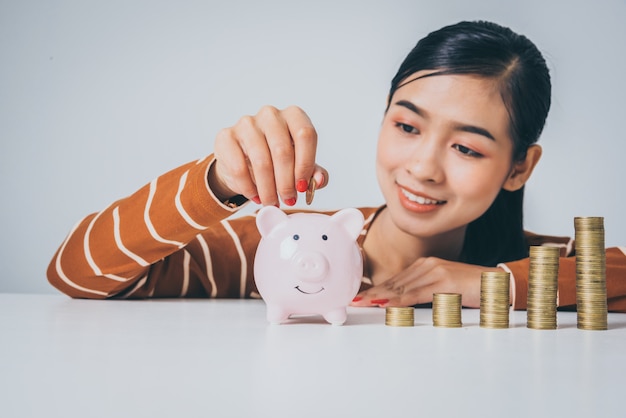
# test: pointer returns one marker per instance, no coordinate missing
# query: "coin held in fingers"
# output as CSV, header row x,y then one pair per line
x,y
310,191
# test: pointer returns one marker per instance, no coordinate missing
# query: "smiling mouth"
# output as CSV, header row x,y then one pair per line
x,y
307,293
419,199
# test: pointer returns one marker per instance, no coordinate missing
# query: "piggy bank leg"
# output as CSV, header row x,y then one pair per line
x,y
337,316
276,315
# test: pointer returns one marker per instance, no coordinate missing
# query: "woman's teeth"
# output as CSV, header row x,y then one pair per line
x,y
421,200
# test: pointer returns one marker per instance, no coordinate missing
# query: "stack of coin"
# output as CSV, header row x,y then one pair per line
x,y
447,310
591,303
542,287
399,317
494,299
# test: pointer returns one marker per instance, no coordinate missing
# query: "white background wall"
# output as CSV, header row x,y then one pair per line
x,y
99,97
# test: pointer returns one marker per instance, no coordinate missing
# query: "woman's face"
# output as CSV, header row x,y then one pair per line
x,y
444,153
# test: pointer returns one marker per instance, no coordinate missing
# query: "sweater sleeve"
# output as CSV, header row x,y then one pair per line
x,y
112,252
615,280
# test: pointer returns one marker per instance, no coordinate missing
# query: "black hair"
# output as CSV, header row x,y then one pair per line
x,y
488,50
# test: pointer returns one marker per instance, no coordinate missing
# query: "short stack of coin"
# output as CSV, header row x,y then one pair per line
x,y
447,310
591,303
494,299
542,287
400,317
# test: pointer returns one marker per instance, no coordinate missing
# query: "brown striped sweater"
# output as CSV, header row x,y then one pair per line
x,y
174,238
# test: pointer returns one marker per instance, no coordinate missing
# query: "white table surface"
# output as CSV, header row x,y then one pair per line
x,y
219,358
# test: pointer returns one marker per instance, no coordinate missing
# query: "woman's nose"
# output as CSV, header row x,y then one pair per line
x,y
426,162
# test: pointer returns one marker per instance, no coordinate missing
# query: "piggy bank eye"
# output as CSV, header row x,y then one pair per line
x,y
296,237
324,237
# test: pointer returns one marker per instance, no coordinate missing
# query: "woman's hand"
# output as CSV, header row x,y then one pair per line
x,y
416,284
267,158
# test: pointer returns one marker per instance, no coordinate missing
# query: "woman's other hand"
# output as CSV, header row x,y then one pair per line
x,y
428,275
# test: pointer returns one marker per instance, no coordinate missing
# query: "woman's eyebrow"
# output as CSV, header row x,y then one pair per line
x,y
475,130
458,126
411,107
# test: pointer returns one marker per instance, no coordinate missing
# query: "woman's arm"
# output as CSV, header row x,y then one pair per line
x,y
111,252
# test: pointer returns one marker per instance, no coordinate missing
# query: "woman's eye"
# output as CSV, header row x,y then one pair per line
x,y
407,128
466,151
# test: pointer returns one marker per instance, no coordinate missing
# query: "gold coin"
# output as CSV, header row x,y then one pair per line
x,y
310,191
447,310
542,288
591,302
399,316
494,299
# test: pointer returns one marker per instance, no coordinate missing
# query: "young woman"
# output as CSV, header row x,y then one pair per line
x,y
456,146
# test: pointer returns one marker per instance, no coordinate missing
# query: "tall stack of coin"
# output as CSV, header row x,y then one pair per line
x,y
494,299
542,287
591,303
447,310
399,317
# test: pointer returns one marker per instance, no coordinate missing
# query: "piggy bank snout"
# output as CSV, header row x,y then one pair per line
x,y
310,266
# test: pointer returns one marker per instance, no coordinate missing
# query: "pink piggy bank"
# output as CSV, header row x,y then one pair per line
x,y
308,263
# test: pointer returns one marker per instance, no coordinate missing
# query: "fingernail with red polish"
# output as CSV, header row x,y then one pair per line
x,y
290,201
357,299
379,301
256,200
302,185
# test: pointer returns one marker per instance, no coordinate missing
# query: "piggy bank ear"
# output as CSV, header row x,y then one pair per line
x,y
351,219
268,217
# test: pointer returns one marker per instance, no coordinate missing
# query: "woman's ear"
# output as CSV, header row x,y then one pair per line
x,y
523,169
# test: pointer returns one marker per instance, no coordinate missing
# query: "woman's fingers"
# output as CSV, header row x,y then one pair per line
x,y
269,157
279,184
304,138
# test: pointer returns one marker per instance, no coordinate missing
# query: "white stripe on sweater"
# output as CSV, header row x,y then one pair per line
x,y
149,225
87,251
209,264
137,286
120,244
61,273
89,257
186,261
242,258
179,205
